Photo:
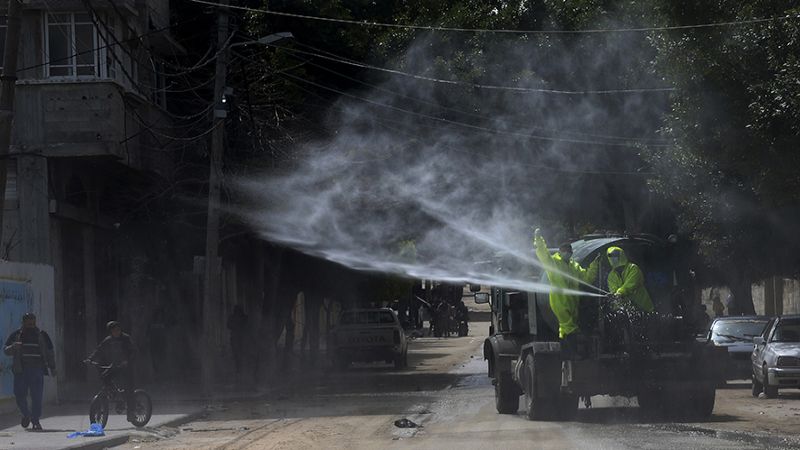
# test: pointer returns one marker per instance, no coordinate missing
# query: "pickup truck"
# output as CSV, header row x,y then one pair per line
x,y
370,335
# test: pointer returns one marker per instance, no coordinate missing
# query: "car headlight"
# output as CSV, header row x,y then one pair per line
x,y
788,361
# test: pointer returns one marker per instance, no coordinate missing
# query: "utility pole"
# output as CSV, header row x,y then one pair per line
x,y
211,288
8,82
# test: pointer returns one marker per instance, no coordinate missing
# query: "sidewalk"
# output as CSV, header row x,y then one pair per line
x,y
59,421
173,405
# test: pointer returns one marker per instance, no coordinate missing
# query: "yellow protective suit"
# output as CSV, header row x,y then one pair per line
x,y
564,306
627,281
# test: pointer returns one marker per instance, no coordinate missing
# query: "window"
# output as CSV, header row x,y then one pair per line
x,y
3,28
111,50
743,330
70,43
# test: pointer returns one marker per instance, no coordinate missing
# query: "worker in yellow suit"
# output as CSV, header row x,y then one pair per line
x,y
564,274
626,281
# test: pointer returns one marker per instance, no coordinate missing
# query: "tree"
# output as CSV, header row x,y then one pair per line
x,y
733,120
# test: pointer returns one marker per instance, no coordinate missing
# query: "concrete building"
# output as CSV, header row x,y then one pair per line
x,y
89,112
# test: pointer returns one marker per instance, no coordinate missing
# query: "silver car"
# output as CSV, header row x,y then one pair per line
x,y
776,357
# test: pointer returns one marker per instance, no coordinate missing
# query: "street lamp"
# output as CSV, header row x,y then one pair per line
x,y
266,40
220,112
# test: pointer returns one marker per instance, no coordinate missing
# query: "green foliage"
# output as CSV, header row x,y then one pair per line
x,y
734,123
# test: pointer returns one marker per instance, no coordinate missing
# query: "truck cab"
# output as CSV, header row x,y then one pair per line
x,y
654,357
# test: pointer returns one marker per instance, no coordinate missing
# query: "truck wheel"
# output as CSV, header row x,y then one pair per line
x,y
650,403
757,387
567,406
401,361
506,394
769,391
701,400
538,407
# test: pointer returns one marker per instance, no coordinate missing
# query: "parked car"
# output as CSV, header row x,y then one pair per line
x,y
370,335
776,357
736,334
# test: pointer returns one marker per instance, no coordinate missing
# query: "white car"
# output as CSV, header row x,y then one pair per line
x,y
370,335
776,357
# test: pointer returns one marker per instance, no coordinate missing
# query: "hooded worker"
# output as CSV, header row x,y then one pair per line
x,y
564,274
626,281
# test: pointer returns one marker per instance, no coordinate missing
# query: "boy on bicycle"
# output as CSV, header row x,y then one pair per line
x,y
118,351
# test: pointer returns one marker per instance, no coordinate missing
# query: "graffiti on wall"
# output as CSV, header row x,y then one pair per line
x,y
16,298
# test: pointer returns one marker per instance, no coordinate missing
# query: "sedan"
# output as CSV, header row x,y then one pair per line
x,y
736,333
776,357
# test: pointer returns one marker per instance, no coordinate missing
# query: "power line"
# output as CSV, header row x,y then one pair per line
x,y
383,122
479,116
467,125
343,60
502,31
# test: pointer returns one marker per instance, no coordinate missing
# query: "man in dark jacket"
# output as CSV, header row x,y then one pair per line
x,y
118,351
33,355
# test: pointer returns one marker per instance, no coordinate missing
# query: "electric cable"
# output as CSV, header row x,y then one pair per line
x,y
501,31
467,125
342,60
478,116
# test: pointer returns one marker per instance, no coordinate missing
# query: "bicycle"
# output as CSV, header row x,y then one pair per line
x,y
110,393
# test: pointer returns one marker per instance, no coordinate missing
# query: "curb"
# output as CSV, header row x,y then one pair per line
x,y
113,441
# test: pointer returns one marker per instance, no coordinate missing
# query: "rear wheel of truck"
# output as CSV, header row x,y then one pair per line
x,y
701,400
567,406
506,394
538,407
401,361
342,363
651,403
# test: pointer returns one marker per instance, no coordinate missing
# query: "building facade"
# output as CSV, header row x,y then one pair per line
x,y
90,107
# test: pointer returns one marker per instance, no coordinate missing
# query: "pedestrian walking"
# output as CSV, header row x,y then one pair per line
x,y
33,358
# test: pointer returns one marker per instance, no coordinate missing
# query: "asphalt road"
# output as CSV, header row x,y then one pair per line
x,y
447,395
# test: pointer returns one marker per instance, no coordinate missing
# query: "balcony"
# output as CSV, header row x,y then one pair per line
x,y
86,118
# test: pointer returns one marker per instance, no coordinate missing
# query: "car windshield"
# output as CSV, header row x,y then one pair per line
x,y
737,330
366,317
787,331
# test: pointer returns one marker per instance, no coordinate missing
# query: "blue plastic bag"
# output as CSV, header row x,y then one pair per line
x,y
95,429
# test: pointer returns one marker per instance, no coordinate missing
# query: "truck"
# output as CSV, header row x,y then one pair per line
x,y
374,334
655,357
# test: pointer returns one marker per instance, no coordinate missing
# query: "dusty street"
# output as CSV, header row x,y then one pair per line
x,y
446,392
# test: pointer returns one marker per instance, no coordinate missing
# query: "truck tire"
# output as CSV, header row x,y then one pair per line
x,y
342,363
701,400
538,407
650,403
506,394
401,361
567,406
769,391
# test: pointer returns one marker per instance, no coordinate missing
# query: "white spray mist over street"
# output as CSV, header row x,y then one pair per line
x,y
392,192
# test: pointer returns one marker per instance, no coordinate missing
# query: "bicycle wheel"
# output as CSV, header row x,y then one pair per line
x,y
98,410
143,408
